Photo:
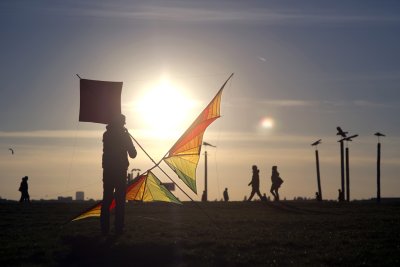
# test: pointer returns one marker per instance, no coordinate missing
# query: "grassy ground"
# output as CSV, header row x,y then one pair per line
x,y
239,233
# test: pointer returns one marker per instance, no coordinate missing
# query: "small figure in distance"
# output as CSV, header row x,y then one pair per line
x,y
23,188
341,196
255,183
226,196
264,197
117,144
276,183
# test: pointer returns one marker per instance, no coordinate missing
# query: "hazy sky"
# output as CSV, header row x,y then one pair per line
x,y
301,69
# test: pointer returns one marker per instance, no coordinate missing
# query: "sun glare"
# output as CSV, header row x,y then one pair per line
x,y
164,108
267,123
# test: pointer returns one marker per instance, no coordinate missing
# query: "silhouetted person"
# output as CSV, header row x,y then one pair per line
x,y
341,196
23,188
116,145
264,197
226,196
255,183
276,183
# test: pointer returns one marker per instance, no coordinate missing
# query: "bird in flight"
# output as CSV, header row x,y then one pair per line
x,y
379,134
316,142
341,132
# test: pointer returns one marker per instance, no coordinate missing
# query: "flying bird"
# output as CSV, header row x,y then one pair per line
x,y
379,134
350,138
12,151
208,144
341,132
316,143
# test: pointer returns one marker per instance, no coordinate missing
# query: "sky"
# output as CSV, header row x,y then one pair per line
x,y
301,68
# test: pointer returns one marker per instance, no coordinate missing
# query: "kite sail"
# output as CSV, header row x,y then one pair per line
x,y
100,101
184,155
145,188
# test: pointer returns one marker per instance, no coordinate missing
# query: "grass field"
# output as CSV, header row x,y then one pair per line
x,y
239,234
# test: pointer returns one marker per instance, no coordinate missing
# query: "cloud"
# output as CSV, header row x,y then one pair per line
x,y
184,11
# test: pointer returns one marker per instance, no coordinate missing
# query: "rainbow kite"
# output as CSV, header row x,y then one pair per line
x,y
182,158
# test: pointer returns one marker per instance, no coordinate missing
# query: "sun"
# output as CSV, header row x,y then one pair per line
x,y
164,107
267,123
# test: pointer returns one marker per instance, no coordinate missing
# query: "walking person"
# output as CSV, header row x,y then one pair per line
x,y
117,145
276,183
226,196
23,188
255,183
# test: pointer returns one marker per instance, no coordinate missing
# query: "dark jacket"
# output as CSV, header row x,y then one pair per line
x,y
117,144
255,180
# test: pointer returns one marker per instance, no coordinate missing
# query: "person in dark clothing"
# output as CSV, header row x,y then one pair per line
x,y
226,196
276,183
255,183
116,145
23,188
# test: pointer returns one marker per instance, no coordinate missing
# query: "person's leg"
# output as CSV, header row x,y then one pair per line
x,y
120,191
108,189
251,195
272,191
259,194
277,194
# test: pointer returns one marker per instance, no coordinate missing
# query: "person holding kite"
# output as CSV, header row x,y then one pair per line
x,y
117,144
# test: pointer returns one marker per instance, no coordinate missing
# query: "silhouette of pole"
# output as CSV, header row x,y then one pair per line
x,y
206,171
347,139
318,173
378,174
378,168
318,176
342,165
347,175
205,177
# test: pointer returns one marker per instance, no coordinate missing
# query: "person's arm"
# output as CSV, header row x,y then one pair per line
x,y
130,147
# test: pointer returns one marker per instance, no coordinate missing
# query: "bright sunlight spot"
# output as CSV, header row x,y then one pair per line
x,y
164,108
267,123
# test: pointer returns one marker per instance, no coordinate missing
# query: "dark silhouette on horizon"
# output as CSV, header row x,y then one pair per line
x,y
204,197
255,183
343,134
378,167
226,195
276,183
340,195
117,145
347,139
23,188
12,151
319,198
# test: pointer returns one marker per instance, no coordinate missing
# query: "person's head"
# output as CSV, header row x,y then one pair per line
x,y
274,168
254,167
118,120
25,178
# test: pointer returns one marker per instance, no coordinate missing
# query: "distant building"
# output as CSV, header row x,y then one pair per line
x,y
64,199
80,196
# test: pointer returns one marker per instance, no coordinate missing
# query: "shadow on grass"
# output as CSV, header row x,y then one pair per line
x,y
100,251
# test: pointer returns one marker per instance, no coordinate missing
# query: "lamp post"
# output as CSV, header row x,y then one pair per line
x,y
319,198
343,134
205,193
378,168
347,139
